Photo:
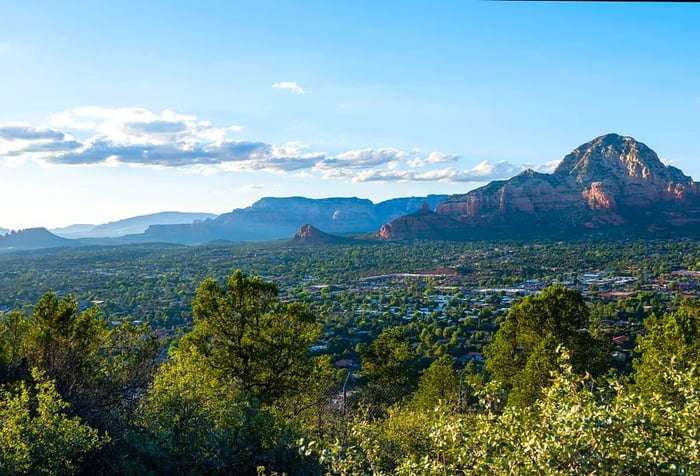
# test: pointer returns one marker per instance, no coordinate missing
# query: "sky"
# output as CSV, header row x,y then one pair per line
x,y
116,109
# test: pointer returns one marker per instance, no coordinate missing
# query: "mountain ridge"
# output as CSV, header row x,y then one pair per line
x,y
272,218
610,182
32,239
131,225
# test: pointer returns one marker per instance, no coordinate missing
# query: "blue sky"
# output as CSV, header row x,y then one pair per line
x,y
116,109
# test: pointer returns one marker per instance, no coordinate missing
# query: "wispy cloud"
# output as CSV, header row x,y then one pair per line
x,y
483,172
26,132
249,188
547,167
362,159
290,86
433,158
93,135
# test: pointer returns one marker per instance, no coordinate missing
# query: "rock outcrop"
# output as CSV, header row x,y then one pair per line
x,y
423,224
610,182
310,235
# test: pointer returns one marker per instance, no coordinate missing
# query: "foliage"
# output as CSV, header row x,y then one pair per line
x,y
576,428
522,355
255,373
63,341
438,386
36,435
13,328
260,343
672,341
194,422
377,446
96,372
389,364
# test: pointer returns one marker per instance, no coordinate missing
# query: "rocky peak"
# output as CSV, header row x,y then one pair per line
x,y
309,234
611,181
613,157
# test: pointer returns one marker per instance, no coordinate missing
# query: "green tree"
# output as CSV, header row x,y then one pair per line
x,y
389,363
670,342
193,421
246,333
126,360
522,354
98,372
36,435
13,329
574,428
64,343
438,385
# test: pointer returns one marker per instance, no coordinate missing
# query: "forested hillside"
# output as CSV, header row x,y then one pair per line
x,y
459,359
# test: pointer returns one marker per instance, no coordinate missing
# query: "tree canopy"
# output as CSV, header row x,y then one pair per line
x,y
671,342
245,332
522,354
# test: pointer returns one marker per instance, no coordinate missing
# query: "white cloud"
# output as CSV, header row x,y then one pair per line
x,y
670,162
432,158
18,131
547,167
291,86
362,159
376,175
483,172
139,137
439,158
249,188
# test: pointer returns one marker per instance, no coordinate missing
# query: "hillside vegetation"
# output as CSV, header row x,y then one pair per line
x,y
459,359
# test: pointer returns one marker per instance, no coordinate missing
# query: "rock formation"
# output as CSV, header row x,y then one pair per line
x,y
610,182
278,218
310,235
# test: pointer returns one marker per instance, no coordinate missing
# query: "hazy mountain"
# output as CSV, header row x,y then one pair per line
x,y
73,231
33,238
4,231
278,218
130,226
611,182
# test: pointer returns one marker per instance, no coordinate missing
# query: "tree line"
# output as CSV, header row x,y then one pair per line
x,y
240,393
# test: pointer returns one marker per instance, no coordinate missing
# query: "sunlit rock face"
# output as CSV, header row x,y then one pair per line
x,y
423,224
629,171
611,181
310,235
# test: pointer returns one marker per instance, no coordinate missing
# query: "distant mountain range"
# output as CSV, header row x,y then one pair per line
x,y
129,226
266,219
279,218
612,184
33,238
4,231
